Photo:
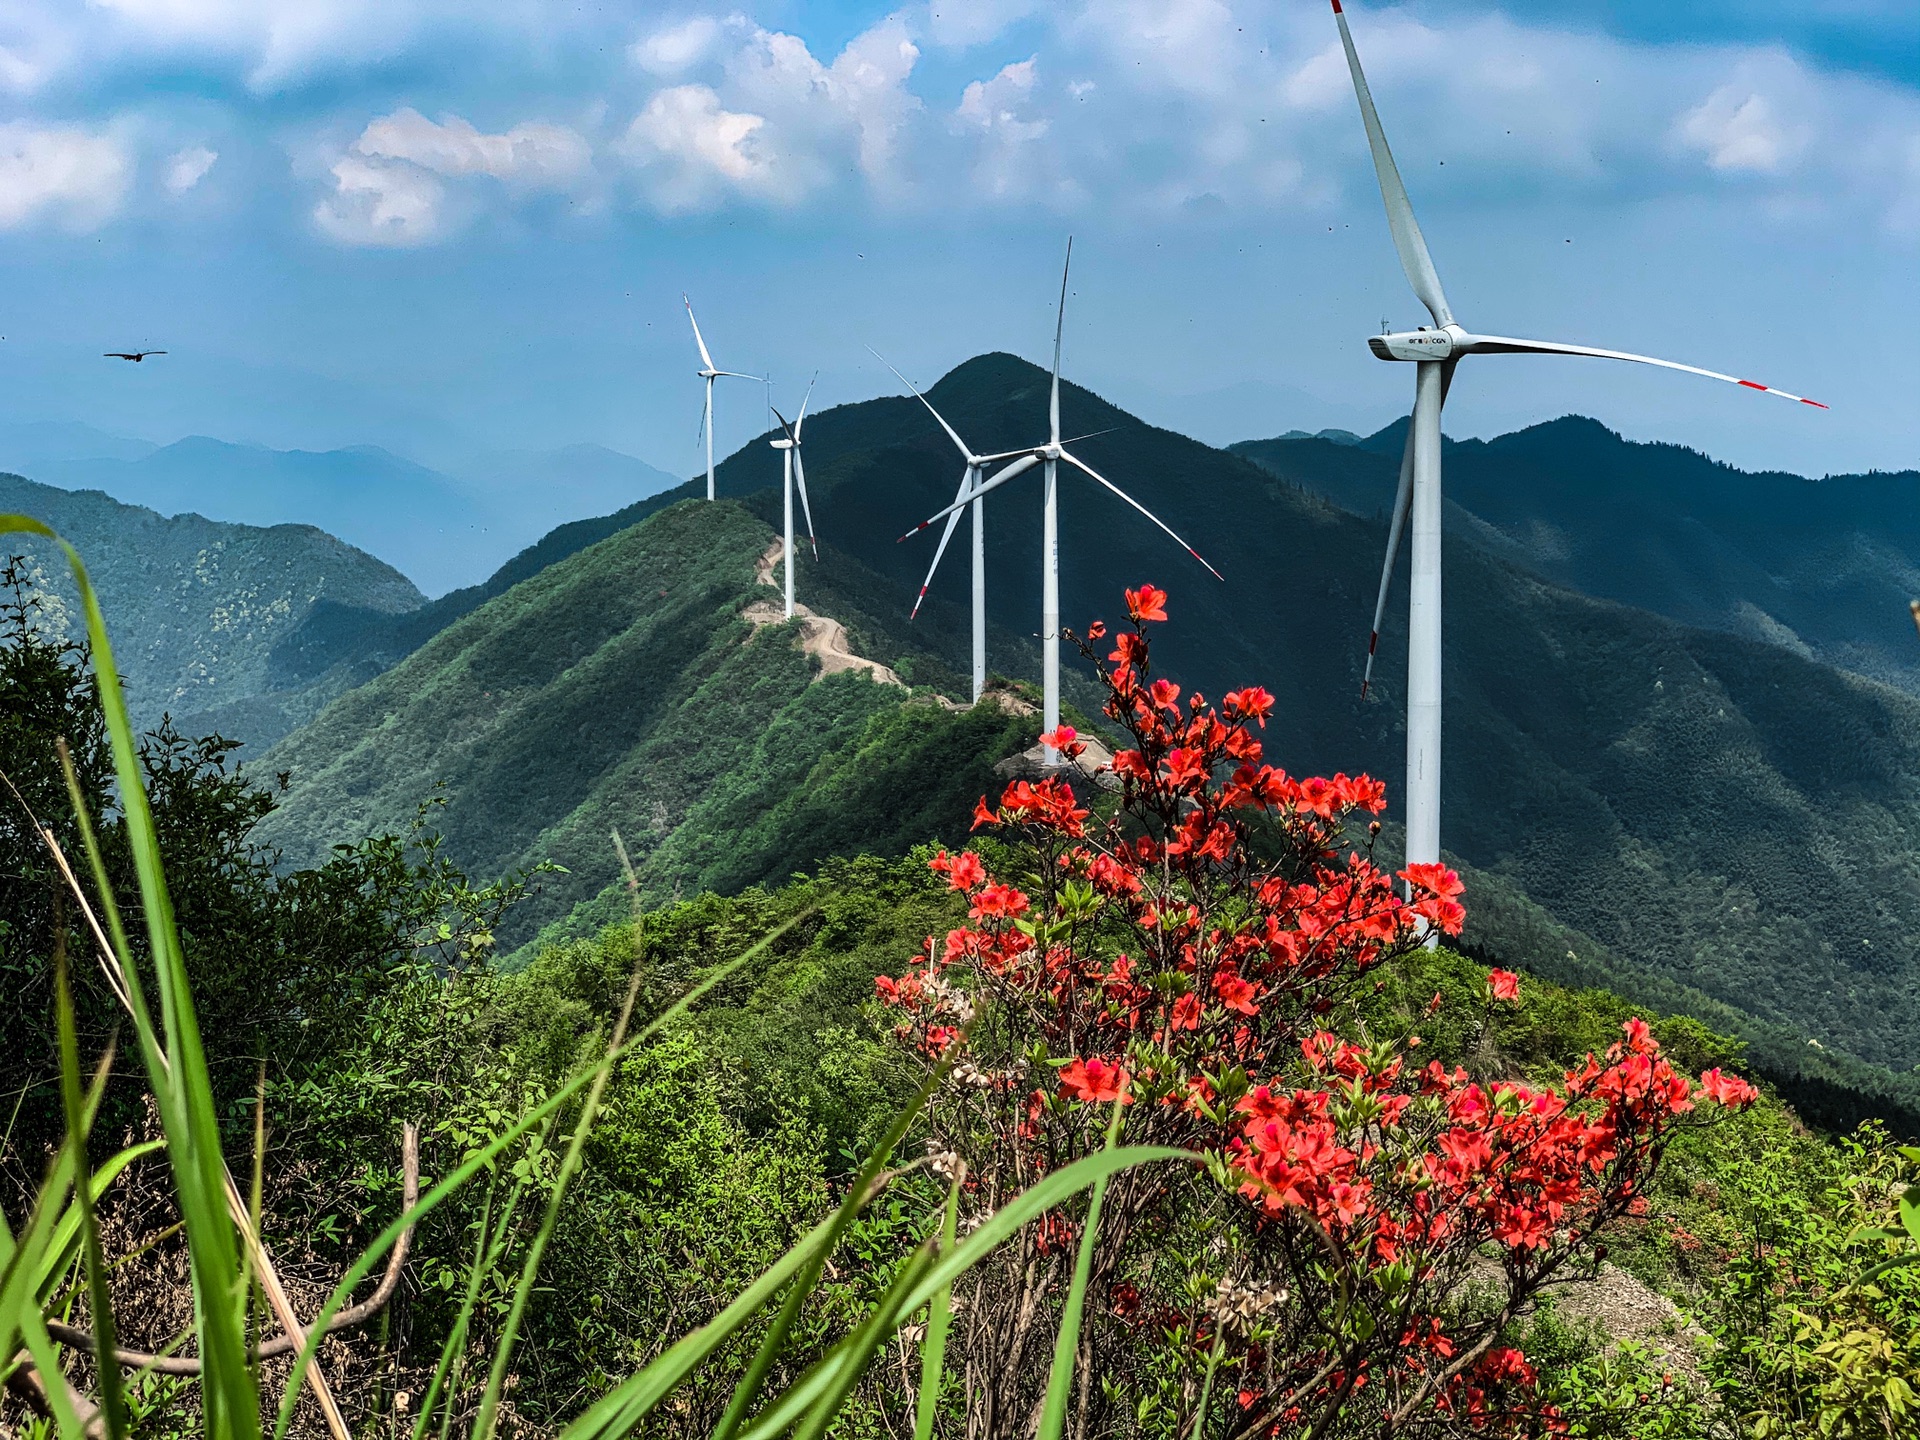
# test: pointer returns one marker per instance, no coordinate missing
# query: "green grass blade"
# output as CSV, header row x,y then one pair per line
x,y
621,1409
113,1410
1029,1204
569,1167
866,1340
1066,1345
64,1244
485,1156
53,1380
182,1088
933,1351
457,1335
748,1390
1206,1387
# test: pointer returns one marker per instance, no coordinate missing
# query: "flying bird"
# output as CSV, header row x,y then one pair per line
x,y
134,355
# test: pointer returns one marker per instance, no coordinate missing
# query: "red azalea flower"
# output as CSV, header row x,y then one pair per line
x,y
1095,1081
1504,985
1728,1090
1147,603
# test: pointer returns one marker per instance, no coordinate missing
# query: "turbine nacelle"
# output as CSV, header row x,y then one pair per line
x,y
1425,343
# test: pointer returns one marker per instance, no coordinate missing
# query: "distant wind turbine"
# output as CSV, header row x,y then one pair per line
x,y
709,374
1435,352
795,468
1051,454
969,480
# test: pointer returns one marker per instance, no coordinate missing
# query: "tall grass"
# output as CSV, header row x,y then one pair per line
x,y
226,1262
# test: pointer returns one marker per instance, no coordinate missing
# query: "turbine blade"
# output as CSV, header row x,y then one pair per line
x,y
953,522
1407,238
1003,455
1091,434
952,434
1402,499
705,358
787,429
1059,328
800,476
801,418
1096,475
966,497
736,375
1507,345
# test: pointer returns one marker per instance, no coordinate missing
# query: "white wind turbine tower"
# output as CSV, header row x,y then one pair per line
x,y
709,374
969,480
1051,454
794,468
1435,352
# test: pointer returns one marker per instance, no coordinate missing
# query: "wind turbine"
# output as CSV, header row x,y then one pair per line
x,y
969,480
789,445
1051,455
709,374
1435,352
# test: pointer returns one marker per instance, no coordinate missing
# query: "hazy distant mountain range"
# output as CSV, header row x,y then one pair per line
x,y
441,530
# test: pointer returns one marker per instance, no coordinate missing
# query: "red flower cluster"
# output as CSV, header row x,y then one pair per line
x,y
1158,958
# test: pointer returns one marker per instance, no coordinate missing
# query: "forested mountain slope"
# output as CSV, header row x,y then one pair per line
x,y
1721,811
1822,567
623,687
195,606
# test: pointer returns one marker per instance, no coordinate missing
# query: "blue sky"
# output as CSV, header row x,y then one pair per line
x,y
448,225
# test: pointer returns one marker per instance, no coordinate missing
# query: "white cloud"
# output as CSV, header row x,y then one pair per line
x,y
389,189
534,155
692,151
1738,130
74,177
1001,117
777,125
187,168
376,204
675,49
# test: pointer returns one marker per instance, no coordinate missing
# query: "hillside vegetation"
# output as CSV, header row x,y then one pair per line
x,y
198,606
622,688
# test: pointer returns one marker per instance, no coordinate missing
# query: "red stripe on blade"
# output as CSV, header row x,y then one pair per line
x,y
1753,384
1336,10
1372,641
1815,403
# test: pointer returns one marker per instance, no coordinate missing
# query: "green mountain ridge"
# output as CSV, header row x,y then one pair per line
x,y
196,606
1821,567
622,688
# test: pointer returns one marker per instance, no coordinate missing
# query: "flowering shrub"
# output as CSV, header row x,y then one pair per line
x,y
1188,967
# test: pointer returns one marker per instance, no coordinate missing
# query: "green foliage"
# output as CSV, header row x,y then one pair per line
x,y
1814,1337
284,962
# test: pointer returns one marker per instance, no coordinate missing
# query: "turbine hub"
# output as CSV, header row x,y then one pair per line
x,y
1051,452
